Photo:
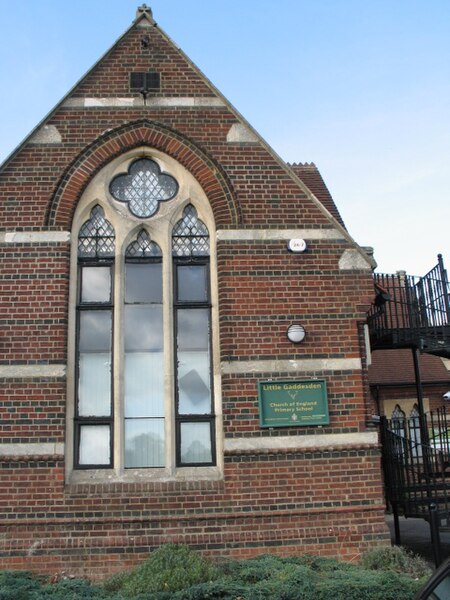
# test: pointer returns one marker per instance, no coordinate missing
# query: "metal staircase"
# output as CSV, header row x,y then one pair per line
x,y
414,312
411,312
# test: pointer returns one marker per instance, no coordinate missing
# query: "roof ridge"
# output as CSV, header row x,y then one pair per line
x,y
302,164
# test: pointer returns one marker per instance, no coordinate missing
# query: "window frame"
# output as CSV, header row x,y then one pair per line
x,y
126,230
178,304
127,260
86,421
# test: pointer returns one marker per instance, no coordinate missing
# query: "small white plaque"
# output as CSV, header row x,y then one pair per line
x,y
297,245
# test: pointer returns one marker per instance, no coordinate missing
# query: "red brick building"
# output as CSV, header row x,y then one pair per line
x,y
155,251
393,382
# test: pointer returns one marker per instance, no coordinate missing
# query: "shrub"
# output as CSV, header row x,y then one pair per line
x,y
170,568
366,585
257,569
221,589
21,585
17,585
302,578
397,560
71,589
177,573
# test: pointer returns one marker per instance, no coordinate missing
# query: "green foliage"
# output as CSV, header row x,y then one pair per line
x,y
396,559
177,573
221,589
257,569
71,589
366,585
17,585
302,578
116,581
170,568
20,585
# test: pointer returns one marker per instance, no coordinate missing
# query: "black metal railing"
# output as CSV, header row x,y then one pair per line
x,y
417,474
411,311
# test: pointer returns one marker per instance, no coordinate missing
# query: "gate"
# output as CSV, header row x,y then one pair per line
x,y
417,474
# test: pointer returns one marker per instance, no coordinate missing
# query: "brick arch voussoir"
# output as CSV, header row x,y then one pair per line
x,y
208,173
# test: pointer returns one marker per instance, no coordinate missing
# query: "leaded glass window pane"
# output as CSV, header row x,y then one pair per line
x,y
194,394
94,385
144,384
414,432
192,283
95,331
143,187
95,446
96,238
144,443
144,365
143,247
143,328
143,283
95,284
397,413
398,421
415,411
195,444
94,363
193,328
190,236
193,367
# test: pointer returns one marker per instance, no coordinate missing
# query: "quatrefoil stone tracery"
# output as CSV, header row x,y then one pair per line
x,y
143,187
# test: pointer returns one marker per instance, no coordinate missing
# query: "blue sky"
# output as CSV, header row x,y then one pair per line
x,y
360,87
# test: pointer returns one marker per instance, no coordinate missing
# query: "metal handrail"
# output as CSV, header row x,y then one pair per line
x,y
411,311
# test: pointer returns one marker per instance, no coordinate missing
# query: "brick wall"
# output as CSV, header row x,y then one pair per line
x,y
323,503
325,499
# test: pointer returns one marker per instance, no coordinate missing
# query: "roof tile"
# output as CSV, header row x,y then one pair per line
x,y
311,177
396,367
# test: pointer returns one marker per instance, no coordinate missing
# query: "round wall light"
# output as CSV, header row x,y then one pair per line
x,y
296,333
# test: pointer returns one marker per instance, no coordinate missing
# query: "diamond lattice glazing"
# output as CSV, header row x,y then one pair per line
x,y
96,238
190,236
143,187
143,247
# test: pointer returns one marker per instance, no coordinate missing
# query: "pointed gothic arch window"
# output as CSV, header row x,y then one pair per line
x,y
398,422
398,418
143,365
414,431
93,407
192,319
144,356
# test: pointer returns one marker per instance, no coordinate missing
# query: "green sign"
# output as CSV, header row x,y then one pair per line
x,y
293,403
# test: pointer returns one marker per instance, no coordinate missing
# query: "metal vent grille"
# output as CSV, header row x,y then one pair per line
x,y
145,82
